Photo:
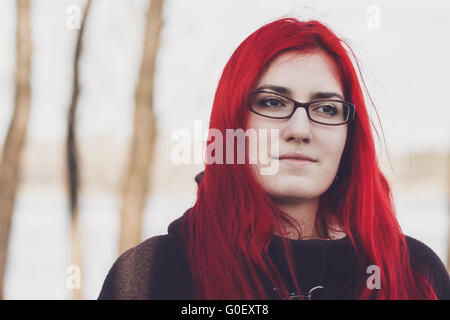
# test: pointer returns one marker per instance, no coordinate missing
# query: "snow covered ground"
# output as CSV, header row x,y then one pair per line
x,y
40,248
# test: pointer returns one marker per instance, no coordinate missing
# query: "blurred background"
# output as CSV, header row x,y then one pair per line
x,y
92,91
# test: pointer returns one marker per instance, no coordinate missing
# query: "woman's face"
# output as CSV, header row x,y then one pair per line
x,y
303,76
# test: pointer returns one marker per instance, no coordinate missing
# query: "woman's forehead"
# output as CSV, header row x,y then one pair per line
x,y
302,73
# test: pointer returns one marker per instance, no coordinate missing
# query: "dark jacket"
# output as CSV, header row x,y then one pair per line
x,y
158,268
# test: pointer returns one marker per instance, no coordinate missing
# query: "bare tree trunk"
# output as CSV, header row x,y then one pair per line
x,y
15,139
72,159
135,186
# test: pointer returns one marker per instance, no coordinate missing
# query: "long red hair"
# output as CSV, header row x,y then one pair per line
x,y
230,226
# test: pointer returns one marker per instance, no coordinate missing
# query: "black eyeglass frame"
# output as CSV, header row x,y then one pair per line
x,y
350,116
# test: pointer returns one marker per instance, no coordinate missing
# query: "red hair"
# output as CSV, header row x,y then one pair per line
x,y
230,226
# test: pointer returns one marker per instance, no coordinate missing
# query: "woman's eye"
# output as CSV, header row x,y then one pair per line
x,y
327,109
271,102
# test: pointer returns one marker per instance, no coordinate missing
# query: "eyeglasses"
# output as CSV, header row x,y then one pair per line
x,y
276,106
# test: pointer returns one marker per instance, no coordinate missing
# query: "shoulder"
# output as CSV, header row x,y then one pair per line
x,y
424,259
151,270
421,253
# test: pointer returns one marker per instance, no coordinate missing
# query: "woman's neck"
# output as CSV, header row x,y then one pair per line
x,y
304,212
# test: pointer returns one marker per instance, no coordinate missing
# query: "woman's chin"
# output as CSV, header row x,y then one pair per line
x,y
293,194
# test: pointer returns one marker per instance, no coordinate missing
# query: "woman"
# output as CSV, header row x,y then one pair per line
x,y
320,226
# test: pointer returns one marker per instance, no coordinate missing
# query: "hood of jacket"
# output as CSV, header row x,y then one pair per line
x,y
176,226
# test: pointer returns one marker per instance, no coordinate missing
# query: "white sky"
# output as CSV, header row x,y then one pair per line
x,y
405,62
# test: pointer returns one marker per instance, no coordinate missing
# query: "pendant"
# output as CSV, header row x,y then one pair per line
x,y
296,296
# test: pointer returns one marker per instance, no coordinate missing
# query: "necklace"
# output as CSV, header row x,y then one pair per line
x,y
297,296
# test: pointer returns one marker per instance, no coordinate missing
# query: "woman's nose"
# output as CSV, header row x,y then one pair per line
x,y
298,127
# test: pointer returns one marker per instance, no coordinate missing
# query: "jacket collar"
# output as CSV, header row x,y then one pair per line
x,y
176,225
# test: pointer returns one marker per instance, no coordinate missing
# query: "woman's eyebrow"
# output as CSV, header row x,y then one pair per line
x,y
287,91
326,95
282,90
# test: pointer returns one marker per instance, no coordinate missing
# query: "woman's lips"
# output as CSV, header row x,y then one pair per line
x,y
296,162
